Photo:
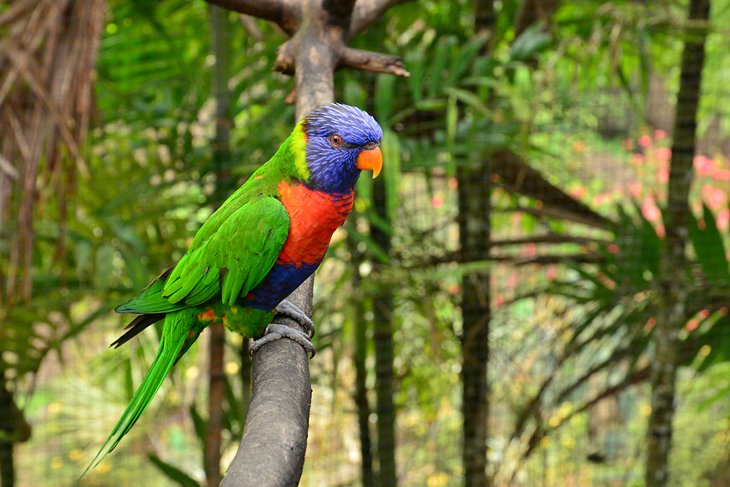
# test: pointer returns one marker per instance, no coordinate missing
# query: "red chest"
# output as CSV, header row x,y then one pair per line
x,y
314,217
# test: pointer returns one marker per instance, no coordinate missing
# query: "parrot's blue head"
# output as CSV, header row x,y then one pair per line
x,y
341,141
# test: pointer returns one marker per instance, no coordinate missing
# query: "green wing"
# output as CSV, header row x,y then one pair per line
x,y
229,261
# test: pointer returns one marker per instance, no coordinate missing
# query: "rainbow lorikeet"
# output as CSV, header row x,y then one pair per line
x,y
266,239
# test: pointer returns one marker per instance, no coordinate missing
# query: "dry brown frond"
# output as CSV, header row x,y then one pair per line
x,y
48,51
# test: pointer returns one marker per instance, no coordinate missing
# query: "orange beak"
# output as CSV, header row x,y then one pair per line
x,y
371,160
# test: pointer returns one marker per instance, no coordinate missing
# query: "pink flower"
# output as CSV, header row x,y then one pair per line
x,y
663,154
453,183
702,165
723,219
650,323
551,273
637,158
513,280
721,175
645,141
437,201
650,211
635,189
454,289
578,191
529,250
692,325
714,197
663,174
660,134
600,199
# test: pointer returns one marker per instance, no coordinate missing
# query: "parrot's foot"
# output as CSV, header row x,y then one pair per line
x,y
276,331
291,310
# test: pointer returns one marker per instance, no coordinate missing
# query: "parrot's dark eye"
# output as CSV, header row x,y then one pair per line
x,y
369,146
336,140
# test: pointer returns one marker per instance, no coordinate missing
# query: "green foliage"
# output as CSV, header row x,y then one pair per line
x,y
709,247
628,271
582,333
173,473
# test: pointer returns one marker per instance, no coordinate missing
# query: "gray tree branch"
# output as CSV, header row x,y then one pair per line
x,y
346,19
286,13
372,61
277,11
275,435
366,12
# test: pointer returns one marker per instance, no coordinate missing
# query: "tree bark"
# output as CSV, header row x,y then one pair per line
x,y
220,41
383,337
474,231
7,466
275,435
245,374
673,271
474,203
7,429
360,327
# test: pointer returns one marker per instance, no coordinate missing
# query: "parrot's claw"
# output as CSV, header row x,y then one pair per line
x,y
276,331
291,310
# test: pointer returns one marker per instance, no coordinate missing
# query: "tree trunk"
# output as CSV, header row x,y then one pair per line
x,y
383,336
216,391
360,328
673,272
7,466
220,37
474,195
474,228
7,429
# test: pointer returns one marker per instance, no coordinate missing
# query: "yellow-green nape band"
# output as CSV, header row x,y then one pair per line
x,y
299,150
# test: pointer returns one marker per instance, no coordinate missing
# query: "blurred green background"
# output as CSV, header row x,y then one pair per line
x,y
515,234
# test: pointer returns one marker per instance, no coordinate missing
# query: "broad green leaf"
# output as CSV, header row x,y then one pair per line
x,y
452,119
198,423
439,60
173,473
391,172
709,248
384,97
464,58
530,43
469,99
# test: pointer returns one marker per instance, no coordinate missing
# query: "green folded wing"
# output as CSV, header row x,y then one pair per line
x,y
150,299
229,263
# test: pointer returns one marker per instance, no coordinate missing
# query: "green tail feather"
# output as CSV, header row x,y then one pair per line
x,y
175,334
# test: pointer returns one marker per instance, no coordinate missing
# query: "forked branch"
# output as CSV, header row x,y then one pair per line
x,y
275,436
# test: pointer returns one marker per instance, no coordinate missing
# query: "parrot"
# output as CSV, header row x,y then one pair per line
x,y
264,241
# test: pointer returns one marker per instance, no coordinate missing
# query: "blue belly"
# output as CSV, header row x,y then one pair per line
x,y
278,284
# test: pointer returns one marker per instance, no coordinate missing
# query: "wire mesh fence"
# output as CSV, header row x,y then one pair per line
x,y
493,310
